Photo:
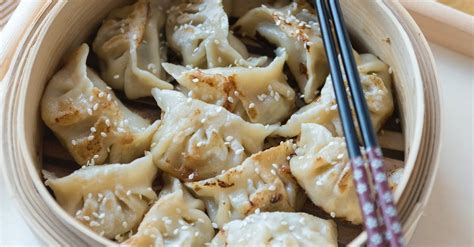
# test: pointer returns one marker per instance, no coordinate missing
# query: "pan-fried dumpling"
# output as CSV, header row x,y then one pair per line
x,y
129,48
199,32
262,183
109,199
176,219
260,95
322,168
394,178
376,84
89,120
295,28
197,140
238,8
277,229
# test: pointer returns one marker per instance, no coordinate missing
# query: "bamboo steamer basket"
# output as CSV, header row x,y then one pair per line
x,y
40,33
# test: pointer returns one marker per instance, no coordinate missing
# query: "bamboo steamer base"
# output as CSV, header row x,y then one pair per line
x,y
42,32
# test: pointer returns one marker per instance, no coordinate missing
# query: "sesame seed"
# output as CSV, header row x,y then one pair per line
x,y
86,218
124,224
96,106
273,172
90,138
196,234
89,111
116,77
191,176
257,211
229,138
95,156
239,151
301,221
94,223
203,120
103,134
153,144
178,210
74,142
109,97
340,156
275,166
176,231
257,170
101,94
230,99
201,220
333,214
291,228
236,93
195,80
272,187
214,225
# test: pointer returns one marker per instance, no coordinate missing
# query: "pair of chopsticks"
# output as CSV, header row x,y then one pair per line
x,y
385,230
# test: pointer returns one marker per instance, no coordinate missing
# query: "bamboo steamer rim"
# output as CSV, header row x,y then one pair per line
x,y
21,45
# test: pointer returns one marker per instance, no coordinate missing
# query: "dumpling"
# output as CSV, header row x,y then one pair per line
x,y
130,51
321,166
89,120
262,183
110,199
238,8
295,28
394,178
277,229
260,95
176,219
199,32
376,84
197,140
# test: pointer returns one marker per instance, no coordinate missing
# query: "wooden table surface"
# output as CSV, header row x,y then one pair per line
x,y
449,217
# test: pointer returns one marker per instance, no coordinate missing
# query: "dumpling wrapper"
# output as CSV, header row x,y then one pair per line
x,y
277,229
197,140
262,183
376,85
261,95
199,32
130,51
89,120
176,219
321,166
238,8
110,199
295,28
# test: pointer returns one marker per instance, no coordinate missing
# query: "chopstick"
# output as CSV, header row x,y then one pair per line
x,y
388,227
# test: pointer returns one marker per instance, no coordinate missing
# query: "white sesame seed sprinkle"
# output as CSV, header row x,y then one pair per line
x,y
116,77
90,138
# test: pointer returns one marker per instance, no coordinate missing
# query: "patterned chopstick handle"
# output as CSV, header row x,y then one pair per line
x,y
367,203
385,198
